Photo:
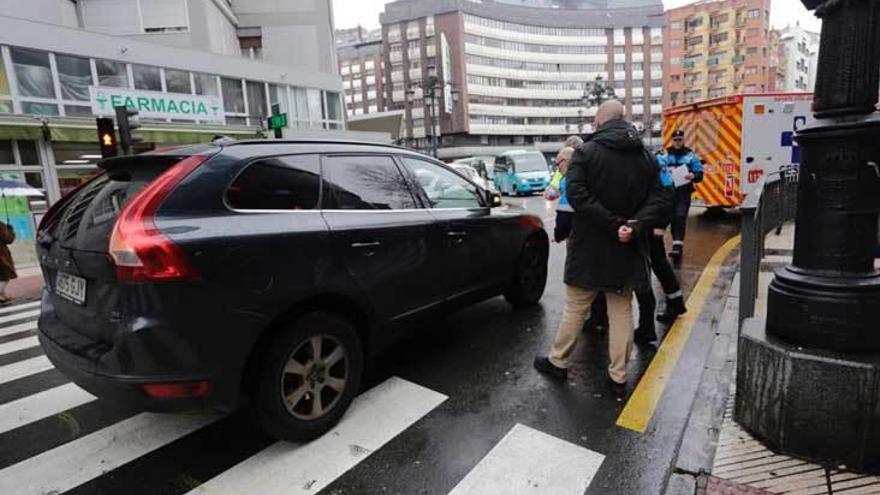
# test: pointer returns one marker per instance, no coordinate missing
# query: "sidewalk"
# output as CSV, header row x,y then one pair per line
x,y
719,457
27,286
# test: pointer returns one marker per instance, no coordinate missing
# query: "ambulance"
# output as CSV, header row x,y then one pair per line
x,y
740,139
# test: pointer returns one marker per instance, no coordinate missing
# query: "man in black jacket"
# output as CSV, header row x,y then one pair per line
x,y
616,193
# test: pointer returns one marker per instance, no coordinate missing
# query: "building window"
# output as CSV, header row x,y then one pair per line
x,y
694,41
251,47
674,61
75,76
754,14
751,70
233,96
206,84
694,23
111,73
147,77
162,16
177,81
718,38
675,25
675,43
256,95
5,93
693,95
752,51
33,73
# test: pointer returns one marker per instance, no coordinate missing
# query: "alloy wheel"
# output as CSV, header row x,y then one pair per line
x,y
314,377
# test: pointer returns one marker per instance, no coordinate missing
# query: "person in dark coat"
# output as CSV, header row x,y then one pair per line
x,y
614,188
7,266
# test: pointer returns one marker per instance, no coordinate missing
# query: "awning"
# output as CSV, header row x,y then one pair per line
x,y
85,130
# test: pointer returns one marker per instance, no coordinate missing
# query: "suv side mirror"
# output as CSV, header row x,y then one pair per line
x,y
494,199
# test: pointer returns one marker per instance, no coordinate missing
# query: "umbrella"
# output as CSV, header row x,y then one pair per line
x,y
16,188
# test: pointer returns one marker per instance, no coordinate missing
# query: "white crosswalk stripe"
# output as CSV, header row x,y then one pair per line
x,y
88,457
41,405
19,307
18,344
527,461
375,417
20,316
21,369
20,327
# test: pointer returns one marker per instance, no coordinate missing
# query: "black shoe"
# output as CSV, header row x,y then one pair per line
x,y
544,365
595,326
618,389
674,308
644,336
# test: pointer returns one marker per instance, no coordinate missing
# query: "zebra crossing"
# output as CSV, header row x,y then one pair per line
x,y
57,438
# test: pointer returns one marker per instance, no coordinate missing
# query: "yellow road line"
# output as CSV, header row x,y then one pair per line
x,y
641,405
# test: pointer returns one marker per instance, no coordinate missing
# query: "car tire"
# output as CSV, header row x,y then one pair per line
x,y
290,380
530,277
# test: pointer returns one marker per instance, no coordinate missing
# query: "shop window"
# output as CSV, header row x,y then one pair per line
x,y
4,81
111,73
27,150
75,76
256,94
6,155
77,111
147,77
334,112
39,108
236,120
300,107
177,81
33,73
233,96
206,84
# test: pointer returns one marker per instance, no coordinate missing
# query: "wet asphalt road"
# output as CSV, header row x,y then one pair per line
x,y
481,358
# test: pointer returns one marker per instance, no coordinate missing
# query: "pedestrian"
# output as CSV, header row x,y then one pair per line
x,y
646,333
556,192
7,265
613,186
679,155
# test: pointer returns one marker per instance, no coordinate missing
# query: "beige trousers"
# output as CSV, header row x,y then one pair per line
x,y
620,331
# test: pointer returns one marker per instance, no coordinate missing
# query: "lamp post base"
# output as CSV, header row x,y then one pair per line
x,y
817,405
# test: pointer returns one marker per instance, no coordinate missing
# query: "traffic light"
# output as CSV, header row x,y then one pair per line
x,y
106,137
127,121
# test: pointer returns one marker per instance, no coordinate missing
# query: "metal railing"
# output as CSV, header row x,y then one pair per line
x,y
773,204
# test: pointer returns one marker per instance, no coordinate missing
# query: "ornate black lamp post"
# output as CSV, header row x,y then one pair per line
x,y
808,383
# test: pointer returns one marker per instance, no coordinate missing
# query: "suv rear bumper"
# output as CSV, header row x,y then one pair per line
x,y
94,376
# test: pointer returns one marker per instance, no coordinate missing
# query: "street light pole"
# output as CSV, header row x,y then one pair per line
x,y
807,382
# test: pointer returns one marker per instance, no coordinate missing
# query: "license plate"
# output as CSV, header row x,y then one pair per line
x,y
71,288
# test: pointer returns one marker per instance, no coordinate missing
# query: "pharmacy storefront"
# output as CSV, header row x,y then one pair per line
x,y
49,100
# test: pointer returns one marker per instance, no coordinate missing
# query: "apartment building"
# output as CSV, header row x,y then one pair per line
x,y
799,54
719,47
361,67
507,73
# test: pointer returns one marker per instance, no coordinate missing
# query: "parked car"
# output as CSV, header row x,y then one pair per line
x,y
267,270
521,172
470,173
482,164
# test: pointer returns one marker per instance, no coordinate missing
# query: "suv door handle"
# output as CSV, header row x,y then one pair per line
x,y
366,244
456,234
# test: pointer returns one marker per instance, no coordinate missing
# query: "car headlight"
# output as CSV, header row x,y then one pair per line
x,y
524,181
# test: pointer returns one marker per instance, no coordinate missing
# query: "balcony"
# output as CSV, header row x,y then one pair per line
x,y
739,59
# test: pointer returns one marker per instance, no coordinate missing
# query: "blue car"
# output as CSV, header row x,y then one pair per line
x,y
521,172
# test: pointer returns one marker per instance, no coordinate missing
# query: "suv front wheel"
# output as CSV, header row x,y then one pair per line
x,y
530,277
309,374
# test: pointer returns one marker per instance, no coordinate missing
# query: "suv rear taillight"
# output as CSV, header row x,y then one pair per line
x,y
139,249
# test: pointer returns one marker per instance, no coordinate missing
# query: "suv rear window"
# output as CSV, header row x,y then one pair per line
x,y
278,183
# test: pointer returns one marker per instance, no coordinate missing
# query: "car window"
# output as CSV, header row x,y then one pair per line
x,y
366,182
278,183
442,187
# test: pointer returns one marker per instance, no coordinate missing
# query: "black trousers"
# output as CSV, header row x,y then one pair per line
x,y
682,204
645,295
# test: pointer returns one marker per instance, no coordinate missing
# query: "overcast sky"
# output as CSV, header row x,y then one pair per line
x,y
350,13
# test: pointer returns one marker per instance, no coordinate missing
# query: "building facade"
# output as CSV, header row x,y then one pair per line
x,y
719,47
56,54
487,76
799,55
361,67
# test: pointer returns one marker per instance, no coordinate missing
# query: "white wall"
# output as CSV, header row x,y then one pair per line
x,y
290,45
220,31
62,12
117,17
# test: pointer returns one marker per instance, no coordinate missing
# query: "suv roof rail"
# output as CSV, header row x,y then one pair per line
x,y
314,141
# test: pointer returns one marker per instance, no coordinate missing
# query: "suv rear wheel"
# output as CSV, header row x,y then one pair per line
x,y
309,374
531,274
